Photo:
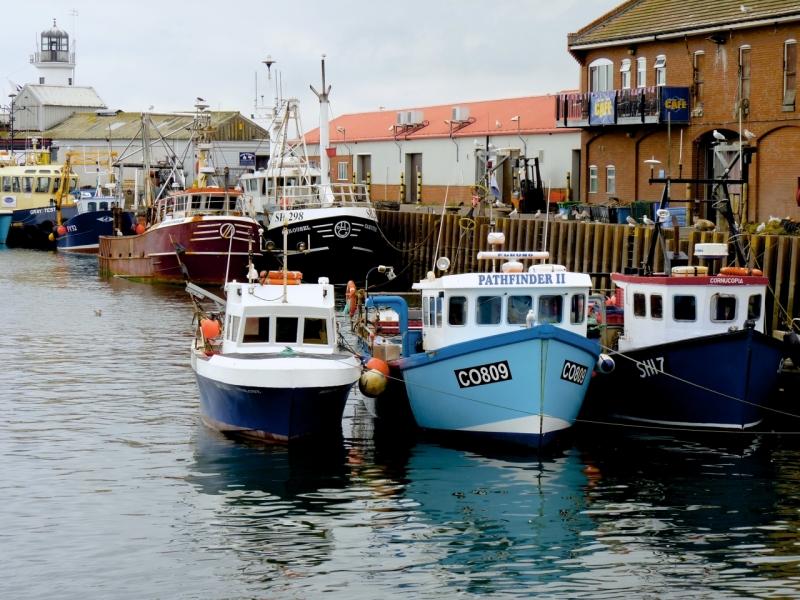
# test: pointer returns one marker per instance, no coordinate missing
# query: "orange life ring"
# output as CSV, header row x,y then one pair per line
x,y
280,282
351,296
741,271
289,275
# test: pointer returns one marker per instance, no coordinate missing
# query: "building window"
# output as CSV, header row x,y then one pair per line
x,y
69,81
699,78
601,75
592,179
342,171
41,80
611,180
789,72
660,67
641,72
625,74
744,79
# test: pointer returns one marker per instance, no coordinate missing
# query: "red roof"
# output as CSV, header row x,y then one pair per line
x,y
491,117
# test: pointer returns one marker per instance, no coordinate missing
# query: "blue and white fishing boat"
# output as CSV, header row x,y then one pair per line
x,y
270,364
504,355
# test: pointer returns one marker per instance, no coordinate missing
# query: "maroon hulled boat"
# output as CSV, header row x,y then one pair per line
x,y
203,229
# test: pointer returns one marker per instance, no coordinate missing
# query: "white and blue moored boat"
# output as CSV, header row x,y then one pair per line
x,y
504,355
276,370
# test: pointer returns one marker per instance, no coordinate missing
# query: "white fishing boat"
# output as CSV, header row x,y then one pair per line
x,y
269,361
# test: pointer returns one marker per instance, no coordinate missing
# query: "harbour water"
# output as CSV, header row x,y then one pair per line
x,y
111,486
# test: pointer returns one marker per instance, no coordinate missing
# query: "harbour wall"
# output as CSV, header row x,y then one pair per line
x,y
595,248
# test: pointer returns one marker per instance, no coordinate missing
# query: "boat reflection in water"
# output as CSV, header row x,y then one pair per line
x,y
621,518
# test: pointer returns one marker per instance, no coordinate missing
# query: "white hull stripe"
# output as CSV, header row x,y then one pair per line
x,y
363,249
532,425
682,424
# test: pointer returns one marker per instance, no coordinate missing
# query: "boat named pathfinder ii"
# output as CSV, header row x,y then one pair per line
x,y
270,364
333,226
200,233
692,352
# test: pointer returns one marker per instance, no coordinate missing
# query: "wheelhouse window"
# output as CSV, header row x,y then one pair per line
x,y
457,311
15,184
656,307
27,184
684,308
104,206
625,74
256,330
197,202
641,72
286,330
789,73
91,206
754,307
6,184
517,309
601,75
488,309
233,328
660,67
439,308
577,309
43,185
425,312
723,308
315,331
551,309
592,179
611,180
639,305
432,311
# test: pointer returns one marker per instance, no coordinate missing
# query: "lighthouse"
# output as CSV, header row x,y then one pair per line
x,y
54,61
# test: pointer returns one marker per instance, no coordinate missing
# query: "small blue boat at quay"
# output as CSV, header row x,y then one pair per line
x,y
97,215
5,224
500,356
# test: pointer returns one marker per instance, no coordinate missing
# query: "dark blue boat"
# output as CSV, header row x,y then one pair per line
x,y
96,216
33,227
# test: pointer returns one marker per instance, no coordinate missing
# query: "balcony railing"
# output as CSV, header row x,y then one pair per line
x,y
62,56
623,107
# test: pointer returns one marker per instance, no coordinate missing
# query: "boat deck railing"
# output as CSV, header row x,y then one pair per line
x,y
297,197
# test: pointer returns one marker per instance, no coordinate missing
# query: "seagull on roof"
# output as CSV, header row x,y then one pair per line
x,y
630,220
745,9
718,136
749,134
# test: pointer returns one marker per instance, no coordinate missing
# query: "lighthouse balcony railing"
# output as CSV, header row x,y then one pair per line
x,y
62,56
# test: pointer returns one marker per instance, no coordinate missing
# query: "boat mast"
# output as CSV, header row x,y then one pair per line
x,y
323,127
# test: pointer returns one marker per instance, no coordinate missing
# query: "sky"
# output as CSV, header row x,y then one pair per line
x,y
394,55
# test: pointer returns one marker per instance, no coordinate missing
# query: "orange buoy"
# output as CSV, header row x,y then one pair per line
x,y
741,271
61,230
211,328
376,364
351,297
285,202
140,229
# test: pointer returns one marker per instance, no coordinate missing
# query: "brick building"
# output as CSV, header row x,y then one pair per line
x,y
705,65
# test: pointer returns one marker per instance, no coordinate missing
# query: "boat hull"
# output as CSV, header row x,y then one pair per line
x,y
32,227
263,398
733,375
549,371
5,224
84,230
211,253
344,243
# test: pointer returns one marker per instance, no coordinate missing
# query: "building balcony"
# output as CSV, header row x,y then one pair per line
x,y
638,106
